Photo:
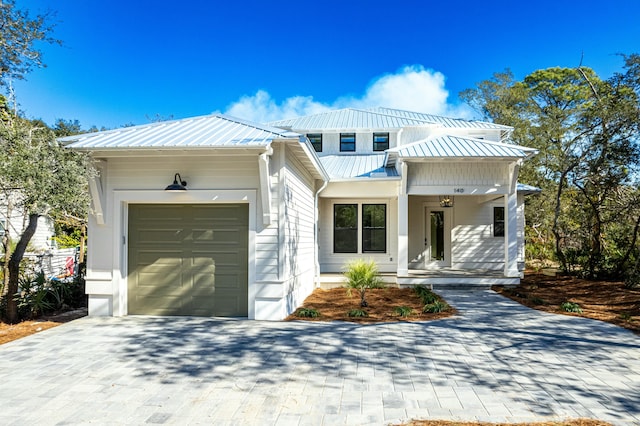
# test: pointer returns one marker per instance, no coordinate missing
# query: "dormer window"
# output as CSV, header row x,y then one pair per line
x,y
347,142
316,141
380,141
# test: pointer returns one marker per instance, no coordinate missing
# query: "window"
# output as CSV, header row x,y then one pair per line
x,y
498,221
316,141
347,142
345,228
380,141
373,231
374,228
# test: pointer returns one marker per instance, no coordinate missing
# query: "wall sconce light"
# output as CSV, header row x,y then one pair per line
x,y
178,184
446,201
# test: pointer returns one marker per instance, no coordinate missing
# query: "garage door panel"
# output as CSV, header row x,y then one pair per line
x,y
152,236
220,237
206,276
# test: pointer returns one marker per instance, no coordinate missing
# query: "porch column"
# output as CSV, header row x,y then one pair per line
x,y
511,235
403,224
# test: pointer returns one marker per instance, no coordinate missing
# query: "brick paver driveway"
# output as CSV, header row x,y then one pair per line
x,y
495,361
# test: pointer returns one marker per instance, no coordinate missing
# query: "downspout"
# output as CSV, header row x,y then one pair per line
x,y
315,233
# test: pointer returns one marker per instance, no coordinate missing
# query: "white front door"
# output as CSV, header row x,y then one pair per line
x,y
437,238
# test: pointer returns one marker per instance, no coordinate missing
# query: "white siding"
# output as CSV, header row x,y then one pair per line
x,y
299,228
485,174
473,243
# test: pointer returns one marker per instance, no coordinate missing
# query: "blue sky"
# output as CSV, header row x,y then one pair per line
x,y
126,62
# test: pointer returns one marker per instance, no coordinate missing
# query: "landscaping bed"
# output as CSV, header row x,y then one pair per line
x,y
607,301
9,332
335,305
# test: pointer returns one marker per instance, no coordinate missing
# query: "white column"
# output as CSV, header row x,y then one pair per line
x,y
511,235
403,224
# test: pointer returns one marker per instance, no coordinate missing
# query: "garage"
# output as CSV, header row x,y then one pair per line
x,y
188,259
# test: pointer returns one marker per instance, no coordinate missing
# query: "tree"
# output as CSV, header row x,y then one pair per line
x,y
586,131
39,176
19,34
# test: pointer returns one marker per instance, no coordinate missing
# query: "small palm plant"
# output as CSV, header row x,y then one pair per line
x,y
362,276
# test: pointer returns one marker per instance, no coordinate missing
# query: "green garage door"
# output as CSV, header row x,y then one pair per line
x,y
188,259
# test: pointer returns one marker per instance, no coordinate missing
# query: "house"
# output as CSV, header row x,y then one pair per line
x,y
14,220
217,216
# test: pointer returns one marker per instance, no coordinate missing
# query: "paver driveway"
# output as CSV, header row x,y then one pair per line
x,y
496,361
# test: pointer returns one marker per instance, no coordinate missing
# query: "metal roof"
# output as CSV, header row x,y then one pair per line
x,y
214,130
459,147
346,167
442,121
528,189
378,118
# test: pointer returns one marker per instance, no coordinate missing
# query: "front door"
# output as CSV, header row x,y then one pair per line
x,y
437,239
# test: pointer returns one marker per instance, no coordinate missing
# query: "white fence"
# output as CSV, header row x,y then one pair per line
x,y
57,263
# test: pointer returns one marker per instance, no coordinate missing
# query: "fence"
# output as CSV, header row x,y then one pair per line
x,y
57,263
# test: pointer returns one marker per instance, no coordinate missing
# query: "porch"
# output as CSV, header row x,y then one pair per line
x,y
443,278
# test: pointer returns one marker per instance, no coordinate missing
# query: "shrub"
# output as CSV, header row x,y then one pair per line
x,y
626,316
632,279
403,311
357,313
435,307
571,307
307,313
537,300
33,296
362,276
426,295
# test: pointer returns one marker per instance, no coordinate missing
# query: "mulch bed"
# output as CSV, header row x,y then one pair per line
x,y
607,301
334,305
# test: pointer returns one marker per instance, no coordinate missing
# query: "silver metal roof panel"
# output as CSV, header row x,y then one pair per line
x,y
347,167
214,130
459,147
378,118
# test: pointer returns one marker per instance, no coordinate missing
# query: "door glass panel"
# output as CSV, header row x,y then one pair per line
x,y
437,235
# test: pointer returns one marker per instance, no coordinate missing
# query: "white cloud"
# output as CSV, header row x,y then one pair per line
x,y
412,88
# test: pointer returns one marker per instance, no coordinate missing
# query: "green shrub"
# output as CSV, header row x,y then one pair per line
x,y
426,295
626,316
33,296
632,279
403,311
362,276
537,300
571,307
357,313
435,307
307,313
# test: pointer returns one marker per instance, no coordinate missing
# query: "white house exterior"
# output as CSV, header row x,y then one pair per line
x,y
269,212
14,220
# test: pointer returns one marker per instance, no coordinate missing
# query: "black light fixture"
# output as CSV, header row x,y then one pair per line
x,y
178,184
446,201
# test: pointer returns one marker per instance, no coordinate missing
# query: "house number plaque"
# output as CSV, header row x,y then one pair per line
x,y
458,190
